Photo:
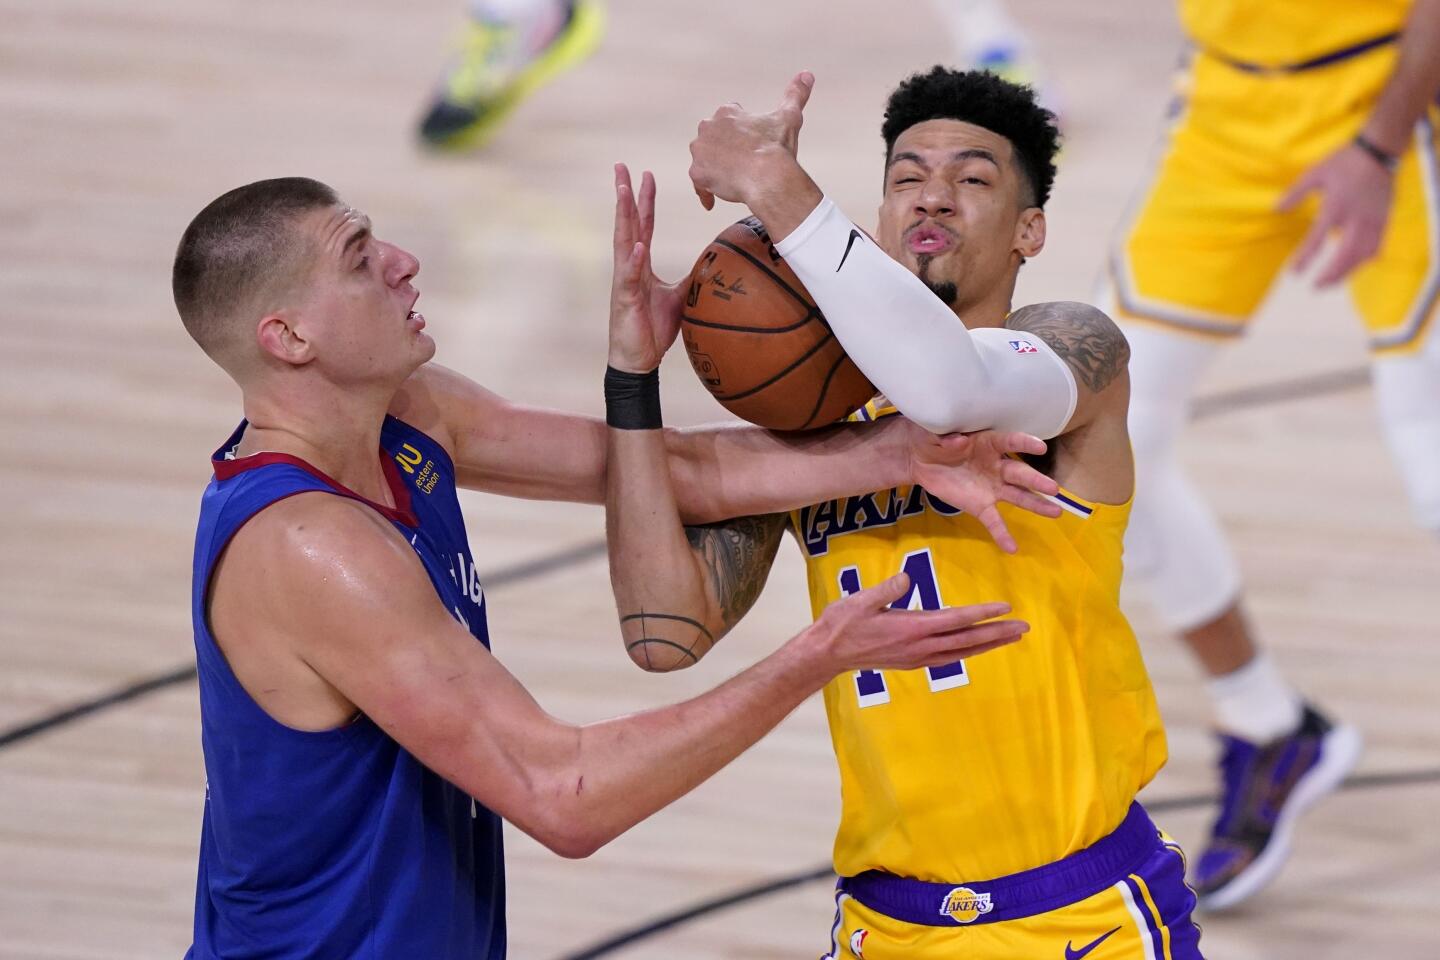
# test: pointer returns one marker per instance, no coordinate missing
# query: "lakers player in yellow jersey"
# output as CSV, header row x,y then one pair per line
x,y
1298,122
988,804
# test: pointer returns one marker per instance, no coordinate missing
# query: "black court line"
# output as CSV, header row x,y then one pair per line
x,y
1280,391
520,572
816,874
123,695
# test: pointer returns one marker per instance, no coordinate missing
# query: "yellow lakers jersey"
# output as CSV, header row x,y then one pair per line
x,y
1276,33
1011,760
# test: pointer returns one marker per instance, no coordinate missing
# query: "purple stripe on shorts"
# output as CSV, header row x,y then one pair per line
x,y
1164,875
1143,906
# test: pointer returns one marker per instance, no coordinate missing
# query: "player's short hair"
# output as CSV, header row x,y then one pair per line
x,y
236,248
984,99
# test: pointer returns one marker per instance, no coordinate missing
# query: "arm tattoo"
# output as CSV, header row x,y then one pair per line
x,y
738,555
672,649
1084,337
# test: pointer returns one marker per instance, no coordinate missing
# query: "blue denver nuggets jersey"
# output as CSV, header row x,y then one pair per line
x,y
338,843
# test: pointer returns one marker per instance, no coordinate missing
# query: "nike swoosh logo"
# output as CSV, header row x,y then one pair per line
x,y
1072,954
854,235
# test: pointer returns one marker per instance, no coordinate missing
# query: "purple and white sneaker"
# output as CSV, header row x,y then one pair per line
x,y
1266,789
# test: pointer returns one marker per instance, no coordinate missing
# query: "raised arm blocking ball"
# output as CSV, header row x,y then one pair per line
x,y
758,342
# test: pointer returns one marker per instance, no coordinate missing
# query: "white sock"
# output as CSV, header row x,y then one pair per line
x,y
1256,703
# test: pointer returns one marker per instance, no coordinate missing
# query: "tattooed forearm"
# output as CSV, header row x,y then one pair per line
x,y
734,559
737,555
1083,336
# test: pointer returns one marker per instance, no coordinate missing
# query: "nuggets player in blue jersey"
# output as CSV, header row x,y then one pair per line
x,y
988,807
361,742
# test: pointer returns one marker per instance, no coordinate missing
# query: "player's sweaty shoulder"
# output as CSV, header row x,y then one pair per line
x,y
1083,336
310,544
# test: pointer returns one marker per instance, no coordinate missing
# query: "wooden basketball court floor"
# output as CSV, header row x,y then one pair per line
x,y
122,120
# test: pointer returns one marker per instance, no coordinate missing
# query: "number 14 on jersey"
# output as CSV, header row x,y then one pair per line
x,y
924,594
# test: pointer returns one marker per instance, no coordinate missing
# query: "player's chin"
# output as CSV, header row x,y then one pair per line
x,y
423,347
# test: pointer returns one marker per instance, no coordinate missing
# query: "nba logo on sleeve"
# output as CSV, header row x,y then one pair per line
x,y
1023,346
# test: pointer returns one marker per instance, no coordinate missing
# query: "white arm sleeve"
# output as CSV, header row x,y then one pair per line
x,y
914,349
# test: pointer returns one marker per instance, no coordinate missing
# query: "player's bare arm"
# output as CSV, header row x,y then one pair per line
x,y
727,470
353,625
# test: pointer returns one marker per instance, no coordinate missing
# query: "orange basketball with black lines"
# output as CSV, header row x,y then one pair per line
x,y
758,342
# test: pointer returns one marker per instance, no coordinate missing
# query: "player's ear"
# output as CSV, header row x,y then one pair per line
x,y
1030,232
277,335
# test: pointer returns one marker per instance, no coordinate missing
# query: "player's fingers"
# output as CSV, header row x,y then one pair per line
x,y
1032,502
624,220
1357,244
948,657
796,95
707,199
995,526
883,594
1297,192
963,642
1017,442
1311,245
924,623
629,274
1023,475
647,207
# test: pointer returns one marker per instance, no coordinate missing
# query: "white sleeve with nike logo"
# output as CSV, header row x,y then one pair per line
x,y
914,349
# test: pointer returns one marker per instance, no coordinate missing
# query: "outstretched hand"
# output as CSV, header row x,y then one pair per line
x,y
865,632
644,310
1355,192
977,471
728,151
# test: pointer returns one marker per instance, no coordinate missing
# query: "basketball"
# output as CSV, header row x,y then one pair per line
x,y
758,342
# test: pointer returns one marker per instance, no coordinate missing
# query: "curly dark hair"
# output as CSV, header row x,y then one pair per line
x,y
984,99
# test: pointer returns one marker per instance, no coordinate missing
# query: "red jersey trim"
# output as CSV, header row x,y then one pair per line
x,y
400,513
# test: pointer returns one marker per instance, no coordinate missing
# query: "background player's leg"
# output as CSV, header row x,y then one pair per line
x,y
1193,266
1397,294
1407,390
509,48
1177,549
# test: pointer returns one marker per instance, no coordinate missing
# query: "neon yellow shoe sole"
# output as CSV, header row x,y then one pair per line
x,y
453,126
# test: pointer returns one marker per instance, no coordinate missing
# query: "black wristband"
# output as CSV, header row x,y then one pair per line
x,y
632,400
1380,155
